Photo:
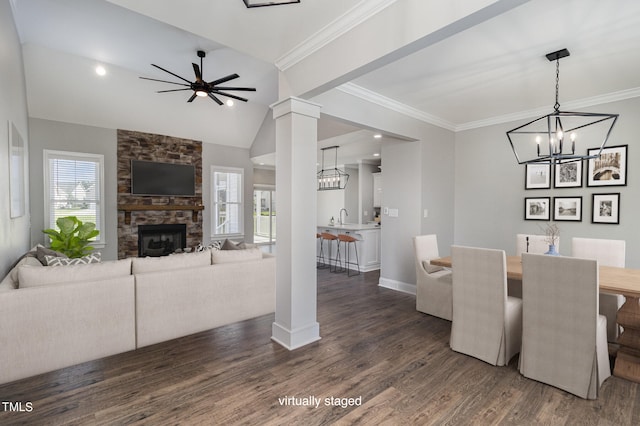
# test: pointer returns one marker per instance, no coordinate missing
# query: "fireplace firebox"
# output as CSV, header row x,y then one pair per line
x,y
161,240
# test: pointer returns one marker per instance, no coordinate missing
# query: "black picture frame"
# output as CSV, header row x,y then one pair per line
x,y
568,175
567,209
605,208
537,208
610,169
537,176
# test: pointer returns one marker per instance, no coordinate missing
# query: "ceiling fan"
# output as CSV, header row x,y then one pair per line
x,y
201,87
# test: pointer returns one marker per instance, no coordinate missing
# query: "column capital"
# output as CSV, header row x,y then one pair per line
x,y
295,105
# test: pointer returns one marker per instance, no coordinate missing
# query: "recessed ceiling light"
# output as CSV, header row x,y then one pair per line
x,y
376,154
229,102
377,136
100,70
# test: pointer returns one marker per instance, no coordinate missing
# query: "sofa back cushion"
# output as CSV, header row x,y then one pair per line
x,y
33,276
227,256
174,261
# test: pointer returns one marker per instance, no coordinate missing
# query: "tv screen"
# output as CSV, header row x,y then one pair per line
x,y
152,178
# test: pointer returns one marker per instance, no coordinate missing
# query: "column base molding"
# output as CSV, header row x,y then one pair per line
x,y
294,339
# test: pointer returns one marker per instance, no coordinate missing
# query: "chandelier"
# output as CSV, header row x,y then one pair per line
x,y
333,178
555,138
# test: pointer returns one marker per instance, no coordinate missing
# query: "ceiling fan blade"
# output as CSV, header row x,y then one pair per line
x,y
229,95
224,79
212,96
173,74
165,81
192,97
246,89
196,70
172,90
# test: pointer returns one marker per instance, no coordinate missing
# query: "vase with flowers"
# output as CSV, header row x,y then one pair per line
x,y
552,233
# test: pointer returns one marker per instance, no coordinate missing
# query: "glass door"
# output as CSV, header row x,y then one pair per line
x,y
264,216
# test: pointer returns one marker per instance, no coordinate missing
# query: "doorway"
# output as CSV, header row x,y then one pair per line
x,y
264,216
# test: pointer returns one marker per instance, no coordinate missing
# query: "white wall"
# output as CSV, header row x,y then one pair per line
x,y
55,135
14,233
489,189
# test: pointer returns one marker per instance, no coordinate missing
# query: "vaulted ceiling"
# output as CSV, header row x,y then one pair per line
x,y
458,64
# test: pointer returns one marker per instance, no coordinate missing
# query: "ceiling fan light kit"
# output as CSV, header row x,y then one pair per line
x,y
555,138
261,3
202,88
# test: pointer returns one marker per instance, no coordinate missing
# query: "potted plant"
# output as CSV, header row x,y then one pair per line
x,y
552,232
73,237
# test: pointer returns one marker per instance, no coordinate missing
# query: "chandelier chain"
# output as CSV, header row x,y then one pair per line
x,y
556,106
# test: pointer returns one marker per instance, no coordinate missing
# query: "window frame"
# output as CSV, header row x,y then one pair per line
x,y
214,202
49,154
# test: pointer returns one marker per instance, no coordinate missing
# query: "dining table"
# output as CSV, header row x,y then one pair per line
x,y
613,280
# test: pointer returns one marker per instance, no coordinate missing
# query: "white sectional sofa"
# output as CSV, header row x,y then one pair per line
x,y
64,315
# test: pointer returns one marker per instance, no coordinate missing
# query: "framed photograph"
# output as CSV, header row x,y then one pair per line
x,y
606,208
610,169
537,176
568,175
537,208
17,168
567,208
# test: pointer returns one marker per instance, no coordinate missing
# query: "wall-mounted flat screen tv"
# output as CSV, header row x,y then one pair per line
x,y
153,178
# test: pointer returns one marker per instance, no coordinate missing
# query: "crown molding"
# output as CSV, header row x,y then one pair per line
x,y
568,106
376,98
359,13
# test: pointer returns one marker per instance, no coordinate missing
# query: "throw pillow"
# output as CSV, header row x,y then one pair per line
x,y
431,268
62,261
42,252
230,245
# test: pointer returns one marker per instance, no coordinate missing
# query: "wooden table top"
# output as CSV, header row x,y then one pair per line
x,y
623,281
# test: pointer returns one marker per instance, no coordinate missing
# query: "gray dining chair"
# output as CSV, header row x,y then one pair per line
x,y
564,340
607,253
487,323
433,283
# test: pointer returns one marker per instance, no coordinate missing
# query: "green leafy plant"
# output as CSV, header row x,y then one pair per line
x,y
73,237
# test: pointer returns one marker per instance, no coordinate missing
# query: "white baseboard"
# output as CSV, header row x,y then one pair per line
x,y
397,285
294,339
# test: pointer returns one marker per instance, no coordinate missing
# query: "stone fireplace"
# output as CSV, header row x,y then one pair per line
x,y
161,240
140,211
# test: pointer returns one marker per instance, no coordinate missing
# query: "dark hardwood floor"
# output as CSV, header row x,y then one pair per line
x,y
375,348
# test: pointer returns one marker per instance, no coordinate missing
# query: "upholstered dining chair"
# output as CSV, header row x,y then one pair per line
x,y
529,243
608,253
564,339
487,323
433,283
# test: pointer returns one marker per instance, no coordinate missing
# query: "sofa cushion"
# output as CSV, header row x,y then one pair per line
x,y
11,280
64,261
30,276
227,256
174,261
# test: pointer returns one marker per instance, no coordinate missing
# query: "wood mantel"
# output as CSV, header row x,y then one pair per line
x,y
128,208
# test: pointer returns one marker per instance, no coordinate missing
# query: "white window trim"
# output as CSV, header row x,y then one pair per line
x,y
75,156
240,171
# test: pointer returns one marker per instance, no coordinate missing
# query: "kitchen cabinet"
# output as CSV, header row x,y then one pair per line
x,y
368,245
377,189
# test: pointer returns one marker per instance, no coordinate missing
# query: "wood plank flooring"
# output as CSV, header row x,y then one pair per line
x,y
375,346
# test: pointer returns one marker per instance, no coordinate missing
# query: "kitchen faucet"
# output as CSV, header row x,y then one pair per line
x,y
340,214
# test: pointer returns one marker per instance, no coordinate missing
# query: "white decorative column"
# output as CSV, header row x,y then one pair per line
x,y
296,280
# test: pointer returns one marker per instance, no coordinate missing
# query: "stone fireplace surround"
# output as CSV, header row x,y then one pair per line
x,y
133,210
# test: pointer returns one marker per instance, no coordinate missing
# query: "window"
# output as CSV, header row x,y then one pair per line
x,y
74,187
228,209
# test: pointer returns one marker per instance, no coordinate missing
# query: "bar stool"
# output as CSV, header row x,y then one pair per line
x,y
348,239
320,261
330,239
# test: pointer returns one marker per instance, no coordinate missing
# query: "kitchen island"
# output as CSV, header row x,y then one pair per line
x,y
368,244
